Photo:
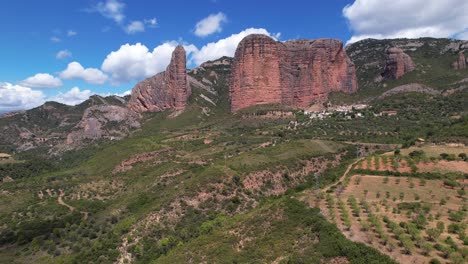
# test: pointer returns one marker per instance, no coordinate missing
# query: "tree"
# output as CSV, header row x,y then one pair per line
x,y
461,193
456,258
385,180
420,221
365,226
422,182
441,226
406,243
433,233
427,248
443,201
462,156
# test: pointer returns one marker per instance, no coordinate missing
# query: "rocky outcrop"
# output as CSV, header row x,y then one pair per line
x,y
165,90
103,122
410,88
293,73
460,63
398,64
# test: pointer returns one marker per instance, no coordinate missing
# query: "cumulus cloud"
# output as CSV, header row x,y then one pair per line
x,y
74,70
63,54
406,18
211,24
226,46
71,33
111,9
42,80
134,62
17,97
55,39
152,23
134,27
73,97
114,10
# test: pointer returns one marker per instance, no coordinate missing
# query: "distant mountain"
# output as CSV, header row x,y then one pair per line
x,y
54,125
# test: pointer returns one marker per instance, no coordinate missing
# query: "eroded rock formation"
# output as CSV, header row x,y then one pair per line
x,y
294,73
398,64
165,90
103,122
460,63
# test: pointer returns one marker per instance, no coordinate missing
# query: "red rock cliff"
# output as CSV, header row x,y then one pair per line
x,y
460,63
165,90
398,64
294,73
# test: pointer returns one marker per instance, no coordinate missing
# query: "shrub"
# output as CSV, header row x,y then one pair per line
x,y
443,201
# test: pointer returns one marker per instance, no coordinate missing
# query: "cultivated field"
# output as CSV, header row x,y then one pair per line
x,y
411,207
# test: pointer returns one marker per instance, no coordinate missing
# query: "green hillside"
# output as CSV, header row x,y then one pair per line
x,y
205,185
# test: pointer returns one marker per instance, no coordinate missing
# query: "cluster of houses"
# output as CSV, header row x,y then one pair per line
x,y
346,111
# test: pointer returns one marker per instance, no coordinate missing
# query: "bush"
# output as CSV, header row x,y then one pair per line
x,y
451,183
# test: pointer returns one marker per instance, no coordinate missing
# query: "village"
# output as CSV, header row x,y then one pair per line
x,y
346,112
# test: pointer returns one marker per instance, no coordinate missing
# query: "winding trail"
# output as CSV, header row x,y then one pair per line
x,y
345,174
61,202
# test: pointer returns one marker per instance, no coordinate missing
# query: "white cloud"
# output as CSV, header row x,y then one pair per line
x,y
63,54
71,33
55,39
73,97
129,92
152,23
134,27
135,62
17,97
226,46
210,24
111,9
406,18
462,36
42,80
74,70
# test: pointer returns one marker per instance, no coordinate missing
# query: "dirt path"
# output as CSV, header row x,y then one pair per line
x,y
61,202
345,174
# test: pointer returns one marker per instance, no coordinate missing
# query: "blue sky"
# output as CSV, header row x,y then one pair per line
x,y
67,50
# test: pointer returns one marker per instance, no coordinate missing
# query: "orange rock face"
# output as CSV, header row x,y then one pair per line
x,y
294,73
398,64
165,90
